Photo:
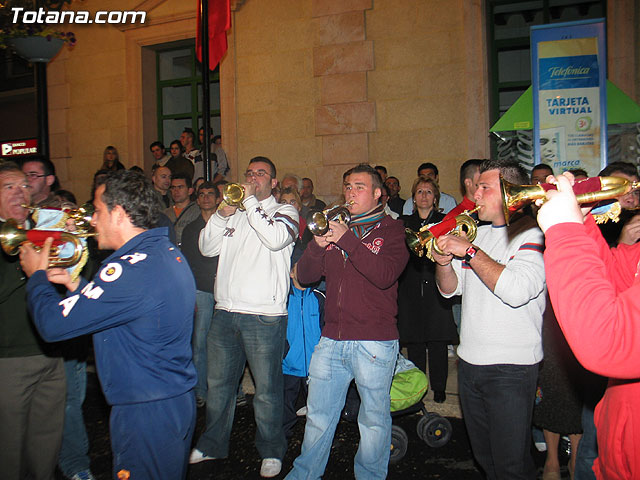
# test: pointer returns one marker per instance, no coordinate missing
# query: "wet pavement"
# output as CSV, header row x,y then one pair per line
x,y
452,461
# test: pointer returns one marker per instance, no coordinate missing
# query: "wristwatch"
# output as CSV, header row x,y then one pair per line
x,y
470,253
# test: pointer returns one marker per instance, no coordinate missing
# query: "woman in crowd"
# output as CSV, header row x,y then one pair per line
x,y
558,409
111,159
425,320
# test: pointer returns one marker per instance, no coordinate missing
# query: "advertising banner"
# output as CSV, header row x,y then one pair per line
x,y
19,148
569,95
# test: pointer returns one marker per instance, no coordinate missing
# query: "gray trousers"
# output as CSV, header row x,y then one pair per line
x,y
32,401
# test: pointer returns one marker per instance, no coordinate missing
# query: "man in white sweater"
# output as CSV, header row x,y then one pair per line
x,y
501,278
250,322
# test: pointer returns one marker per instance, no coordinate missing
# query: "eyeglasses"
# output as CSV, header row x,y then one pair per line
x,y
255,173
35,175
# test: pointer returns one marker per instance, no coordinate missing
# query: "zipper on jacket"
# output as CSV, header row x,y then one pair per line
x,y
344,267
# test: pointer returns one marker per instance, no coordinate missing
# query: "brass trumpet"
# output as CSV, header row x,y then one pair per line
x,y
12,236
424,240
81,215
590,190
319,223
232,196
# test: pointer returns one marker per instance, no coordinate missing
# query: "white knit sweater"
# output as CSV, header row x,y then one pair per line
x,y
504,326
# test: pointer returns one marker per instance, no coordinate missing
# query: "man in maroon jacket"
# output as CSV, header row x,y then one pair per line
x,y
361,263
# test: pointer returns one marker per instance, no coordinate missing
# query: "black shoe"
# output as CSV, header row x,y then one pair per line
x,y
439,396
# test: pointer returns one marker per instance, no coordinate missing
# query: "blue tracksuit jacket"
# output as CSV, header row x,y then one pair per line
x,y
139,308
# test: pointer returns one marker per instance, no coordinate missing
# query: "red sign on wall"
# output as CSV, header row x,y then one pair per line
x,y
19,148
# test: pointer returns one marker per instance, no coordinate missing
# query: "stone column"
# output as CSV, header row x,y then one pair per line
x,y
341,59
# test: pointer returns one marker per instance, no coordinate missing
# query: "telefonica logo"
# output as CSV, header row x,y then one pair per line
x,y
569,71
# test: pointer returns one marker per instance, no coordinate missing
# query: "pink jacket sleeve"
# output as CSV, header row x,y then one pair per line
x,y
595,294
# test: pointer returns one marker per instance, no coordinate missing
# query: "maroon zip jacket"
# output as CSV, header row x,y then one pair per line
x,y
362,281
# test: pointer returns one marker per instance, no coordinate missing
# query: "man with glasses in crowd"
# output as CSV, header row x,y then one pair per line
x,y
41,177
254,245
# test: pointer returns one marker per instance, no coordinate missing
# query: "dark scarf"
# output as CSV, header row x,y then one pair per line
x,y
361,224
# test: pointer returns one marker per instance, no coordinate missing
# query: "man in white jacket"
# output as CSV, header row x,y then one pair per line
x,y
254,245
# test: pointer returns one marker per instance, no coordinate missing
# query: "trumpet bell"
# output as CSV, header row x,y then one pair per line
x,y
233,195
318,224
12,236
415,241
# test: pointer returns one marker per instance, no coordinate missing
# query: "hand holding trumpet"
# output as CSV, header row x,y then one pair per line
x,y
333,235
561,205
32,260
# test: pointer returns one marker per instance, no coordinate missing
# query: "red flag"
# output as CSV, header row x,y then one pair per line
x,y
219,23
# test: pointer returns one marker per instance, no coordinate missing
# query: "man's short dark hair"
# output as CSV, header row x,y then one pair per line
x,y
310,181
428,165
267,161
47,165
622,167
511,170
206,185
578,171
393,178
376,179
541,166
216,138
134,193
189,131
157,143
381,168
467,170
182,176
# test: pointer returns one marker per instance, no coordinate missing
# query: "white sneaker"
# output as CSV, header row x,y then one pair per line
x,y
197,456
541,446
270,467
302,412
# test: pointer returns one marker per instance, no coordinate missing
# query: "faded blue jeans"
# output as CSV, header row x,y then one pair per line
x,y
259,340
333,365
201,325
74,454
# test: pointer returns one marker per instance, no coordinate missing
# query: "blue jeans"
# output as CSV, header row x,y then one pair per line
x,y
74,454
588,446
201,325
259,340
333,365
497,404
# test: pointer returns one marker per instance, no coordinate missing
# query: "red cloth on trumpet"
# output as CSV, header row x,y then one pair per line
x,y
448,223
38,237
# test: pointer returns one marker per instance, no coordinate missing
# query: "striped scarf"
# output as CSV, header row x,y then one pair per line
x,y
361,224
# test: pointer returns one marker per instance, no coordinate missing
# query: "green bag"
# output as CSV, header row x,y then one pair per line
x,y
407,388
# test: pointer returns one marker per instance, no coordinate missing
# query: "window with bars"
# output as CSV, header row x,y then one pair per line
x,y
179,92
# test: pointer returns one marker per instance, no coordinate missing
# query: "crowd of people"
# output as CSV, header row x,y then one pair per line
x,y
184,290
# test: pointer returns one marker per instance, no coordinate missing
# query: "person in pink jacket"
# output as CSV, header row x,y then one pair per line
x,y
595,292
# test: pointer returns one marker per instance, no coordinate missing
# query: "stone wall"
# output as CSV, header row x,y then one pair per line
x,y
316,85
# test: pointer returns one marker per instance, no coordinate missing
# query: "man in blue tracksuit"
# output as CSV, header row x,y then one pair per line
x,y
142,328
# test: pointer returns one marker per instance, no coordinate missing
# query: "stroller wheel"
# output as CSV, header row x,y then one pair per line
x,y
422,423
399,443
434,430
